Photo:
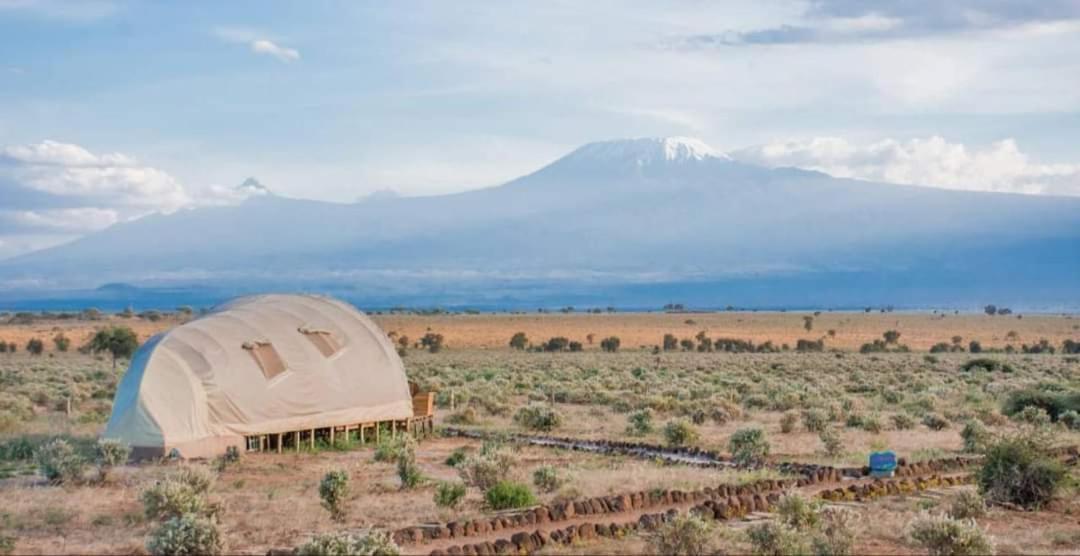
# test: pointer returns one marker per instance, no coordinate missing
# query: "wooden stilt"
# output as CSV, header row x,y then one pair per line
x,y
332,435
279,438
378,432
296,435
361,434
311,441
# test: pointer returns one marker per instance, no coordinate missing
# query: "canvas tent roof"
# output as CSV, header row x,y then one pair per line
x,y
258,365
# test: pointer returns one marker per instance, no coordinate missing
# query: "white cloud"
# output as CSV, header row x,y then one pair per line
x,y
264,46
932,161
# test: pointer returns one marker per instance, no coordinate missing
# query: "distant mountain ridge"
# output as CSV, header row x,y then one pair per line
x,y
629,213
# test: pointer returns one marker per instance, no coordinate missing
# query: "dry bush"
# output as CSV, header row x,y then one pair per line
x,y
59,462
685,535
349,544
941,535
186,534
967,504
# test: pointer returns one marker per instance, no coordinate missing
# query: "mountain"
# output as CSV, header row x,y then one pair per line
x,y
644,219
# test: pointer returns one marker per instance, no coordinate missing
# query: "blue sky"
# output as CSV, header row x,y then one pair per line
x,y
111,109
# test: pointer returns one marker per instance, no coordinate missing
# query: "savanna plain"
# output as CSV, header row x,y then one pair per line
x,y
760,397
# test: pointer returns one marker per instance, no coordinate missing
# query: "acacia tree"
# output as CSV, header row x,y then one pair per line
x,y
119,341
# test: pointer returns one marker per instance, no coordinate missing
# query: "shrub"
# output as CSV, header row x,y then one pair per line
x,y
546,478
942,535
836,535
375,543
185,534
680,433
772,539
640,422
449,495
903,422
610,344
832,443
456,457
748,446
871,423
333,491
538,417
466,416
686,534
407,470
815,420
487,468
35,346
180,494
787,422
1015,472
1032,415
507,495
389,449
1071,419
61,342
110,453
797,512
975,436
59,462
519,340
935,422
985,364
967,504
1054,403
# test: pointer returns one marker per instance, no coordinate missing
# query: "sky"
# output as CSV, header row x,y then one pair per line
x,y
110,109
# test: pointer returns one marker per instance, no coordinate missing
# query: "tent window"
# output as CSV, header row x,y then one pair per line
x,y
322,340
267,357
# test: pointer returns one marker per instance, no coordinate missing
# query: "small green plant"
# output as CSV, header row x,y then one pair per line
x,y
640,422
177,495
487,468
448,494
407,470
903,422
547,479
871,423
375,543
748,446
935,422
59,462
456,457
390,448
798,512
1032,415
538,417
185,534
941,535
334,491
967,504
815,420
1070,419
787,422
831,442
975,436
773,539
680,432
685,535
507,495
836,532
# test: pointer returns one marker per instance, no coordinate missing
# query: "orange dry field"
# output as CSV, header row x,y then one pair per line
x,y
829,408
850,330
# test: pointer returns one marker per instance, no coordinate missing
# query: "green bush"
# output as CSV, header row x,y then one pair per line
x,y
836,532
1054,403
686,534
935,422
640,422
487,468
334,491
449,495
787,422
546,478
538,417
748,446
975,436
185,534
59,462
798,512
815,420
680,433
375,543
871,423
507,495
831,442
986,364
1032,415
903,422
773,539
967,504
182,493
456,457
1016,472
941,535
110,453
407,470
1071,419
389,448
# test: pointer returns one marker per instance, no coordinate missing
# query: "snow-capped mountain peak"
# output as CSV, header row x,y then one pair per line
x,y
648,150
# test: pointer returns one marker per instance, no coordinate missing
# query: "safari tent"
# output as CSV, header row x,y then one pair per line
x,y
267,372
